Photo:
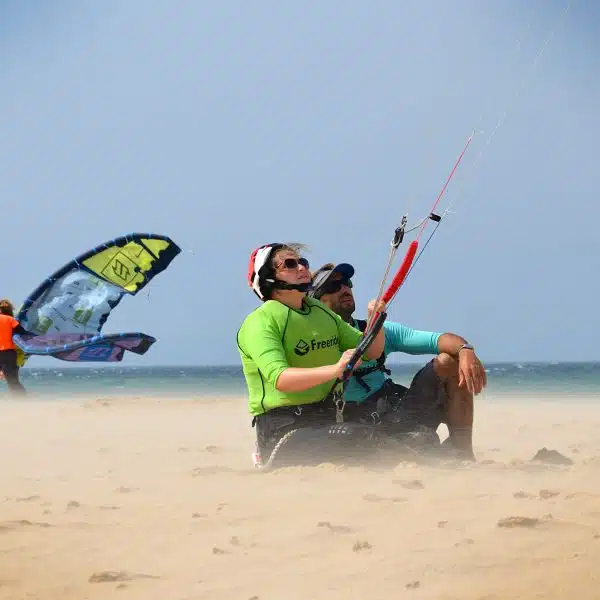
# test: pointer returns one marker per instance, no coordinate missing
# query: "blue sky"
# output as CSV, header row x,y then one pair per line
x,y
230,124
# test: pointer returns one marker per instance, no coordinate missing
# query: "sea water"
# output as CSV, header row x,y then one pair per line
x,y
535,380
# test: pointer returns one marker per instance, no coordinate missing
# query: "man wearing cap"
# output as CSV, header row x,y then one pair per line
x,y
441,392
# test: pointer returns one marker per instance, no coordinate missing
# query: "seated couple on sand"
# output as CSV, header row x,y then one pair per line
x,y
295,345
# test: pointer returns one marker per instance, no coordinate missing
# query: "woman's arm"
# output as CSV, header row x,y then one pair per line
x,y
295,379
260,339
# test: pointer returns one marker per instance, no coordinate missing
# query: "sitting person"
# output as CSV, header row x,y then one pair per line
x,y
441,392
292,348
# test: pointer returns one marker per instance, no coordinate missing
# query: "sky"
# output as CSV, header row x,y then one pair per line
x,y
226,125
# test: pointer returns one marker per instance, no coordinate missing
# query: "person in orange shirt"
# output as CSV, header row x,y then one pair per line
x,y
8,352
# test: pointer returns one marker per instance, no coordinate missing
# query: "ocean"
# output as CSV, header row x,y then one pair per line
x,y
536,380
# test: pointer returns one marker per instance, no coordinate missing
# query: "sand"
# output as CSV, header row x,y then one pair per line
x,y
157,499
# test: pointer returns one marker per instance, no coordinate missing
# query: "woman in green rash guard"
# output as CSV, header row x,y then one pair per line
x,y
292,347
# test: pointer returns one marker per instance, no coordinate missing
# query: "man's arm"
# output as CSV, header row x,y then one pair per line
x,y
400,338
471,373
452,344
350,338
375,350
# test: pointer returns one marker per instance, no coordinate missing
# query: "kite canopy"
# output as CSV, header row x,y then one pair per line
x,y
68,310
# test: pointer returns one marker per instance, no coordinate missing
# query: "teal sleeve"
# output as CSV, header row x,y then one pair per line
x,y
399,338
349,336
260,339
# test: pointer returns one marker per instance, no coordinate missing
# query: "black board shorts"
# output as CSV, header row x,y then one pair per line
x,y
424,403
10,369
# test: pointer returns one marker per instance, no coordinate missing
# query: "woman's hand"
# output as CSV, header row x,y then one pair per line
x,y
343,362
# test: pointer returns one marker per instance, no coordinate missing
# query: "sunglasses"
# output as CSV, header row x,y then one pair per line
x,y
293,263
332,287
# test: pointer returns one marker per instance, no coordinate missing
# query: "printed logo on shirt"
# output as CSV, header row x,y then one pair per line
x,y
303,348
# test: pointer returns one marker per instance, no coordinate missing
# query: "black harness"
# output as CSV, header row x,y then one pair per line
x,y
333,404
378,366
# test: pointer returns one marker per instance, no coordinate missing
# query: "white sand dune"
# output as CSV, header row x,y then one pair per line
x,y
156,499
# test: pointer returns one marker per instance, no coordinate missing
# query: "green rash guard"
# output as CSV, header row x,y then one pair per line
x,y
275,337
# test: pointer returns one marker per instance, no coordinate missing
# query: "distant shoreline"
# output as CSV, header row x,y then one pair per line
x,y
118,366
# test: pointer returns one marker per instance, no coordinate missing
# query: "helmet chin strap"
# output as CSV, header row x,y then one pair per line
x,y
282,285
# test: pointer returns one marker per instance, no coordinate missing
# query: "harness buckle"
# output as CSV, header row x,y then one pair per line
x,y
376,417
340,404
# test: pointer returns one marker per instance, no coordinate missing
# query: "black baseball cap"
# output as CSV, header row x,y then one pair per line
x,y
322,275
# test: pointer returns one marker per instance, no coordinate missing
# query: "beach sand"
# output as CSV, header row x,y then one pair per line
x,y
141,498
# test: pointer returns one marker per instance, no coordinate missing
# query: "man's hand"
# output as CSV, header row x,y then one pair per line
x,y
471,372
372,309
